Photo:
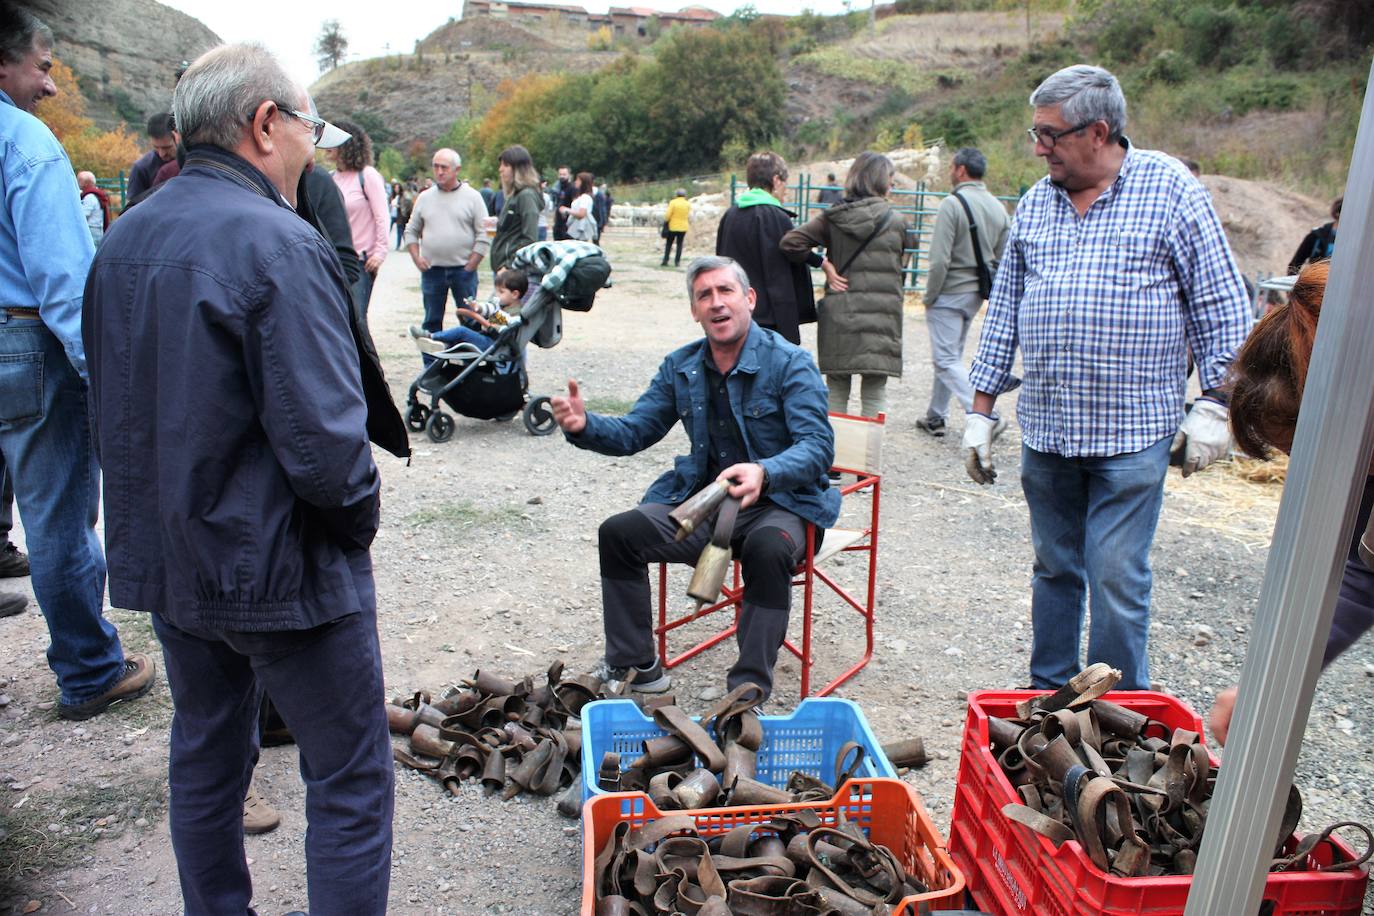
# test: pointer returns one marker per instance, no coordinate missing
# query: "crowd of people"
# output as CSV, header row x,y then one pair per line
x,y
240,492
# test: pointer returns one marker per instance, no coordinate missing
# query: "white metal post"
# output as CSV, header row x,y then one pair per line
x,y
1331,452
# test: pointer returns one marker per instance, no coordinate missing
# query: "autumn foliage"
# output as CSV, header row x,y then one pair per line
x,y
103,152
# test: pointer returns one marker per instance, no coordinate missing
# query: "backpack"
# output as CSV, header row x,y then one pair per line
x,y
583,282
104,199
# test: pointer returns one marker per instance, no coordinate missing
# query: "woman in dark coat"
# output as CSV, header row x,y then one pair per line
x,y
750,231
860,330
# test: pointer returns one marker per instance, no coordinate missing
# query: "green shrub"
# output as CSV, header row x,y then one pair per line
x,y
1169,66
1118,29
1216,36
1269,93
1293,42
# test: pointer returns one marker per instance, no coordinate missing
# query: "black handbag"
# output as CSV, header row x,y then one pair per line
x,y
663,230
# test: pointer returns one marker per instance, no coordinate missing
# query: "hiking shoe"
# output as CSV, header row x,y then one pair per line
x,y
258,815
933,425
137,679
13,562
418,332
12,603
650,679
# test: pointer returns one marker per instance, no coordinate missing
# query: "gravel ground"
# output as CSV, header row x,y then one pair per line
x,y
486,558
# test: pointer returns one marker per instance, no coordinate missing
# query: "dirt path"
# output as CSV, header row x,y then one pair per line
x,y
487,559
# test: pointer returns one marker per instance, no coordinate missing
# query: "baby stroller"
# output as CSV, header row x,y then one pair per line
x,y
490,383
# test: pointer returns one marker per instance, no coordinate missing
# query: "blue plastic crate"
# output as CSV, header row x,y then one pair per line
x,y
808,740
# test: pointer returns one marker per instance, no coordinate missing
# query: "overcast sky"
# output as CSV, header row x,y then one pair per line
x,y
290,29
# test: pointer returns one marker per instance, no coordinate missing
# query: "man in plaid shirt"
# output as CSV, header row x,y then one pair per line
x,y
1115,267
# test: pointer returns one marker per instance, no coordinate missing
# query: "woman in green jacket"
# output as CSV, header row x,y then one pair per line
x,y
518,224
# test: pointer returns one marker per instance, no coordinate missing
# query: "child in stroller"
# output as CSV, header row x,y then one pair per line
x,y
488,317
474,374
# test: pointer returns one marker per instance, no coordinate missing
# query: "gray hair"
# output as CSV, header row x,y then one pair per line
x,y
222,89
707,263
455,161
1085,93
20,32
972,160
869,176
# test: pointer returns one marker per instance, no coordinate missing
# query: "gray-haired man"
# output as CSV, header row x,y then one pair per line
x,y
1116,265
954,289
241,497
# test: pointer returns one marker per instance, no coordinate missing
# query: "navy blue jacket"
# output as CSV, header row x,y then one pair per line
x,y
240,491
779,401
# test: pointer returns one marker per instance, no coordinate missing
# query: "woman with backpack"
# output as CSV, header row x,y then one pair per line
x,y
365,200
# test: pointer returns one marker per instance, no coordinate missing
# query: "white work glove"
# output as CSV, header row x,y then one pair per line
x,y
1204,436
980,431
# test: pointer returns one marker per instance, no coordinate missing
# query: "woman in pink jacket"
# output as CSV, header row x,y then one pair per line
x,y
364,194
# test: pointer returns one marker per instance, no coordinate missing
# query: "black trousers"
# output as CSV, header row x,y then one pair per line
x,y
769,541
668,244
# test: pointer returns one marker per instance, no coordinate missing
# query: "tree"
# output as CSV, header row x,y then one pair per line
x,y
331,46
103,152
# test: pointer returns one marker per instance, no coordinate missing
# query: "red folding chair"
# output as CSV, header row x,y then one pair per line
x,y
858,451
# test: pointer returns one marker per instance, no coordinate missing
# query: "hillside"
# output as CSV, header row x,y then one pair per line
x,y
454,74
125,53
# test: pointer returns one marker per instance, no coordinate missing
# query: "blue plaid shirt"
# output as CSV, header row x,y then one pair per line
x,y
1102,306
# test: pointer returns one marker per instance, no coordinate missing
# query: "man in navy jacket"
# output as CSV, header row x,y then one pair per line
x,y
754,408
241,497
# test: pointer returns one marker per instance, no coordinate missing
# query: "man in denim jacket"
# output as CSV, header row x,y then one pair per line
x,y
754,408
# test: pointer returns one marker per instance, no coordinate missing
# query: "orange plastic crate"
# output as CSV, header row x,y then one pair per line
x,y
1012,870
888,810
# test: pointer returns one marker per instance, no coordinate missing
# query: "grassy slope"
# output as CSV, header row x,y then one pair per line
x,y
966,77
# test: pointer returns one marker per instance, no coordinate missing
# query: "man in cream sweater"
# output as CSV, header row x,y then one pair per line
x,y
446,238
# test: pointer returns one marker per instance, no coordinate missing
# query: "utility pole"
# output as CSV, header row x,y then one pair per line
x,y
873,15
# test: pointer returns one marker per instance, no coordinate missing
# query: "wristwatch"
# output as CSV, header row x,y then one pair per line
x,y
764,488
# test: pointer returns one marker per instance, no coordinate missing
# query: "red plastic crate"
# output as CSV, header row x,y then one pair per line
x,y
1012,870
888,810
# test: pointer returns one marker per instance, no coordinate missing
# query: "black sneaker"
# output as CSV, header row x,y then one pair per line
x,y
650,679
13,562
933,425
12,603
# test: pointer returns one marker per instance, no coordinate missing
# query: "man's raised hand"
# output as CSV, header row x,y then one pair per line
x,y
569,411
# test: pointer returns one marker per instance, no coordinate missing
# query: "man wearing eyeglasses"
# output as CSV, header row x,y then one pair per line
x,y
241,497
1116,264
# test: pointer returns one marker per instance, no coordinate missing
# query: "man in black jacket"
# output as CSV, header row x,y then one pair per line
x,y
241,494
1320,243
749,233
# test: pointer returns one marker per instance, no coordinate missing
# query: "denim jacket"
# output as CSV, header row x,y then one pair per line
x,y
779,402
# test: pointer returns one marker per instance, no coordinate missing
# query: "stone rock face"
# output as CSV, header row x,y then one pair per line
x,y
133,46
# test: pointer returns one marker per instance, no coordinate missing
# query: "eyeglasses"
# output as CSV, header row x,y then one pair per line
x,y
1048,138
317,125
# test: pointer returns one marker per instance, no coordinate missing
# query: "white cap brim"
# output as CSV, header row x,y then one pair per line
x,y
332,137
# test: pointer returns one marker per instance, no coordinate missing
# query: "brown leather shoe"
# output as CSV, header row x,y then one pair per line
x,y
258,815
137,679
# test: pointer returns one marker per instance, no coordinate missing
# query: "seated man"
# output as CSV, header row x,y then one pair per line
x,y
754,408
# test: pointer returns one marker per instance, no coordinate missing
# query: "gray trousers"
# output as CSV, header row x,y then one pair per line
x,y
872,393
948,319
768,540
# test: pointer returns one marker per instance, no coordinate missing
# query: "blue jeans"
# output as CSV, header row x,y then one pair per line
x,y
6,503
1092,523
362,292
435,285
327,685
45,438
461,334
